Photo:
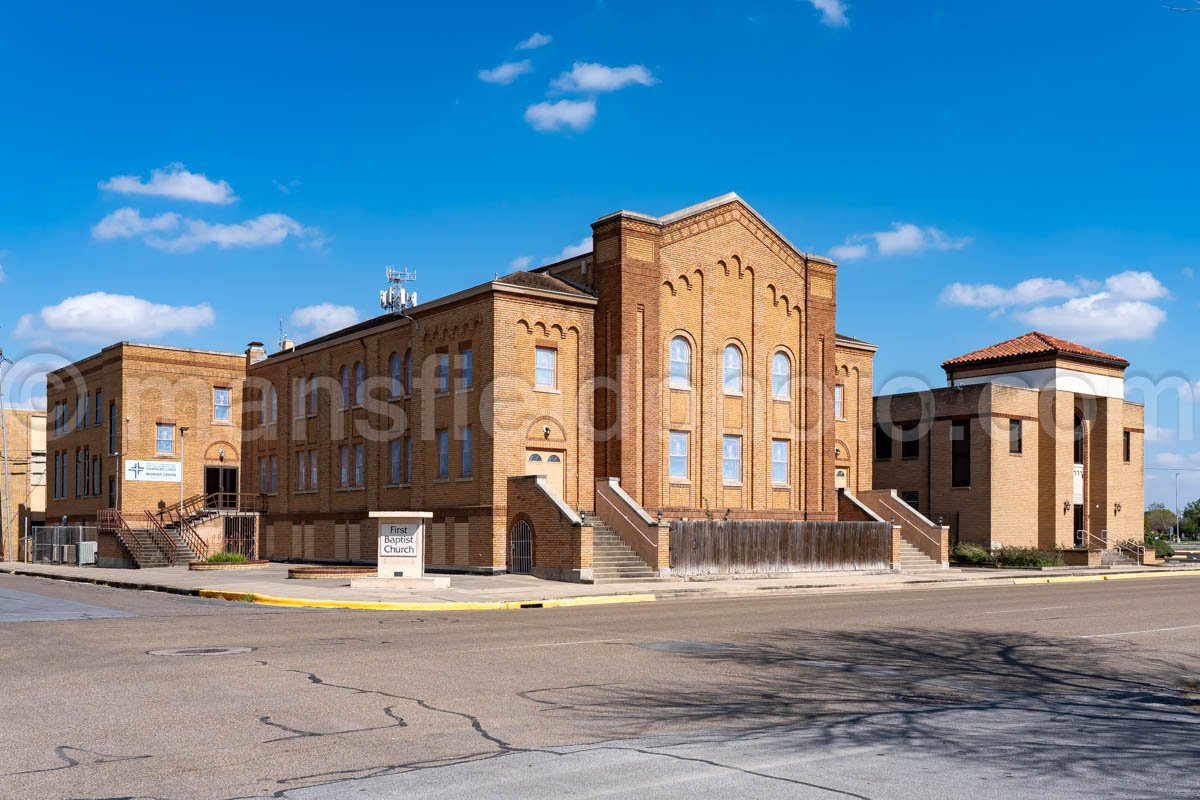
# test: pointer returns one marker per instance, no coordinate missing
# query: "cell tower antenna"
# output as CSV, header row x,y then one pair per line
x,y
285,341
396,298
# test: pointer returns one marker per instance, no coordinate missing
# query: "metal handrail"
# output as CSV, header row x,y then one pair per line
x,y
163,539
1138,548
636,526
110,519
1087,537
937,543
189,534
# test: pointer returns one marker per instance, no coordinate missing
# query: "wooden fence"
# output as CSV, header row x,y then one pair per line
x,y
743,547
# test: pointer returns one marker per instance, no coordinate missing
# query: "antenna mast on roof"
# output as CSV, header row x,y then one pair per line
x,y
396,299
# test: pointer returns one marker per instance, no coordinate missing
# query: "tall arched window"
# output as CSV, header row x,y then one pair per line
x,y
312,395
394,367
272,405
781,376
733,369
301,397
344,380
360,378
1078,439
681,363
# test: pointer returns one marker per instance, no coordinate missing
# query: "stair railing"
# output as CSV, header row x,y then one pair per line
x,y
110,520
163,539
641,532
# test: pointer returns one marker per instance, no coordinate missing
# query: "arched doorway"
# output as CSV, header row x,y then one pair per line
x,y
520,548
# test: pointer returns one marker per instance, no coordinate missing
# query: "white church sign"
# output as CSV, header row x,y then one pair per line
x,y
154,471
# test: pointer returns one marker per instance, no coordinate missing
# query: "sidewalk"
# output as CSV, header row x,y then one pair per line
x,y
271,586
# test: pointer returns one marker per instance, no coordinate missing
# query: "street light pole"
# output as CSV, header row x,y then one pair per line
x,y
182,431
8,518
1178,526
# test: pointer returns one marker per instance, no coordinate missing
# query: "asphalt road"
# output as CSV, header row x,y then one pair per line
x,y
1071,690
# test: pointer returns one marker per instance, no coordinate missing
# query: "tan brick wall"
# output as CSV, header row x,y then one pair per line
x,y
561,549
855,372
148,385
26,437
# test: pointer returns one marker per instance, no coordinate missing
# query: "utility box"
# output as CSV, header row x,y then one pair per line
x,y
85,554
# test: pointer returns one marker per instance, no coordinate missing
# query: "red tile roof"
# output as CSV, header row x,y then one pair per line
x,y
1033,343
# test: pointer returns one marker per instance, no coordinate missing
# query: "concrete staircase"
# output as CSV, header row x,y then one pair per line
x,y
613,561
914,562
148,554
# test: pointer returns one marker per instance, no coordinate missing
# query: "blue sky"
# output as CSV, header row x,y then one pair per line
x,y
926,144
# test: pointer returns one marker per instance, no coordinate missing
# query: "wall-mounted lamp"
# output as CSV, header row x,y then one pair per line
x,y
660,518
221,454
1066,506
837,451
1116,508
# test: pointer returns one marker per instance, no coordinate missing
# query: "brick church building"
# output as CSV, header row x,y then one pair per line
x,y
688,366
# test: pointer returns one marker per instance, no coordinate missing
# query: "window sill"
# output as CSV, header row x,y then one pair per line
x,y
730,393
960,488
547,390
733,484
397,486
676,387
680,482
351,489
465,389
836,418
464,479
910,458
776,398
306,491
440,480
783,486
222,422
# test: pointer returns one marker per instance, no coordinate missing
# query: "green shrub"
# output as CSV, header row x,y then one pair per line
x,y
227,558
971,553
1028,557
1158,542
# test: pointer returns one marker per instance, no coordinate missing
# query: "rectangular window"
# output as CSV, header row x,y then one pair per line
x,y
222,405
78,472
112,428
96,481
312,469
164,443
344,476
395,462
441,372
83,411
731,459
443,458
359,464
839,400
960,453
301,471
274,474
263,486
883,444
913,499
1127,446
1015,443
466,369
466,468
679,455
779,461
55,492
910,442
546,367
87,472
99,407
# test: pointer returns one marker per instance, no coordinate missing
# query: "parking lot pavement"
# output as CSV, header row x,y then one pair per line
x,y
16,606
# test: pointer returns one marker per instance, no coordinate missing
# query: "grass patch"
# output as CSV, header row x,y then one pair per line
x,y
971,553
1028,557
227,558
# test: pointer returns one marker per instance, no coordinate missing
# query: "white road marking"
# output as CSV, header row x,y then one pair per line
x,y
1025,610
1135,633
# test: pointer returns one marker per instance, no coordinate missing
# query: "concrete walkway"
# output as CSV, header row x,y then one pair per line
x,y
270,585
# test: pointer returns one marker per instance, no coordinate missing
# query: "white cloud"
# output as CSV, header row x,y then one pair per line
x,y
175,182
903,239
1095,318
988,295
506,73
850,252
323,318
833,12
584,245
1134,285
286,187
1117,308
125,223
1176,460
521,262
585,77
102,317
267,229
574,114
535,41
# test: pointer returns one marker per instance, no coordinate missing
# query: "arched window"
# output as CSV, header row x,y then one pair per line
x,y
312,395
681,363
733,369
272,405
301,397
394,371
360,378
344,380
535,457
553,459
781,376
1078,439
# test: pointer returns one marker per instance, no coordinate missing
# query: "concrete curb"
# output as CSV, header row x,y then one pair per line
x,y
1120,576
145,587
364,605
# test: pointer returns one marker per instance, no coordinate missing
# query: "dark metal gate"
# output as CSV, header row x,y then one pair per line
x,y
520,548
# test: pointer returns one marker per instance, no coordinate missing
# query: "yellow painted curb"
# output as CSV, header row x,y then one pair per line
x,y
1120,576
364,605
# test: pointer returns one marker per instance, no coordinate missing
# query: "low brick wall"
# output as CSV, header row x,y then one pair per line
x,y
562,546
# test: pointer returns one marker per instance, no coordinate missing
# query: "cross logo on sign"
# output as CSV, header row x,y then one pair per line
x,y
137,470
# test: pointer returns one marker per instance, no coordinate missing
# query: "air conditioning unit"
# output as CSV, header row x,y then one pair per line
x,y
85,554
68,554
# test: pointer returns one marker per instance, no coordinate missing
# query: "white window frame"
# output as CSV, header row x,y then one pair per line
x,y
778,392
395,454
680,369
360,464
443,454
541,372
159,427
466,368
839,401
727,370
466,454
785,464
228,405
677,459
727,460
